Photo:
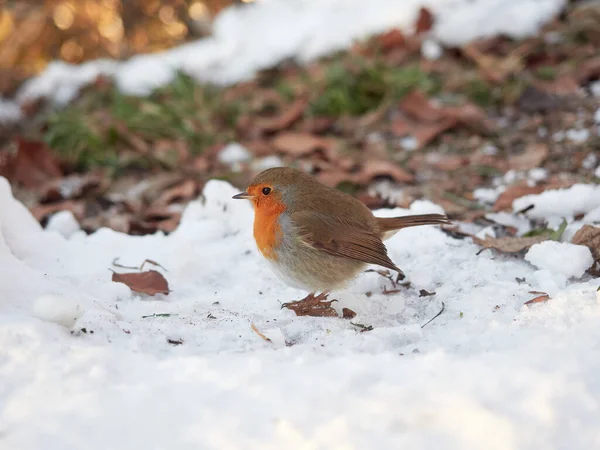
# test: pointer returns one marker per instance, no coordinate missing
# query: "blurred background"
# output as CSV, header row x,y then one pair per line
x,y
394,118
33,33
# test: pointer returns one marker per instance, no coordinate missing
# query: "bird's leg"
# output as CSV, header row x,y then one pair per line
x,y
313,305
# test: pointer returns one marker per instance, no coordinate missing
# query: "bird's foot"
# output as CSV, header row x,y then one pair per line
x,y
313,305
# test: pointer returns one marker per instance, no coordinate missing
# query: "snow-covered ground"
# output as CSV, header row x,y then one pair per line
x,y
258,36
489,373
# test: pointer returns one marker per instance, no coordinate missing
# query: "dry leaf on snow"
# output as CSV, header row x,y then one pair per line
x,y
539,299
589,236
509,244
505,200
315,306
149,282
347,313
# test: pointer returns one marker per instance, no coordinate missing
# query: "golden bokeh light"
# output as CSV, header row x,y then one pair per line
x,y
112,29
176,29
198,11
166,14
7,25
64,15
33,33
71,51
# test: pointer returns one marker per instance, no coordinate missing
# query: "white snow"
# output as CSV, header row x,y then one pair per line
x,y
488,373
431,49
538,174
259,164
233,153
558,203
257,36
560,258
63,222
578,136
488,195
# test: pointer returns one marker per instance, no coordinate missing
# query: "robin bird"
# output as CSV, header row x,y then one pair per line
x,y
318,238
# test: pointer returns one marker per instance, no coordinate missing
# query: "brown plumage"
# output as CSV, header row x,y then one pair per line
x,y
318,238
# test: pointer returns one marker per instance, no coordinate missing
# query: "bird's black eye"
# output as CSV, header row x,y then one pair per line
x,y
266,190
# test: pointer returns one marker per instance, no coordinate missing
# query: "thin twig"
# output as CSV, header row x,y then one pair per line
x,y
436,316
140,268
259,333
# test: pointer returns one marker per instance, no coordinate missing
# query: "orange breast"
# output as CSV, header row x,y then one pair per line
x,y
267,231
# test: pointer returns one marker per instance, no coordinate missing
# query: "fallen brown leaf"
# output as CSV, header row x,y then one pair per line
x,y
286,118
424,21
77,207
315,306
149,282
562,86
533,156
391,40
533,100
589,236
372,169
492,68
298,143
509,244
418,106
181,193
347,313
32,165
71,187
505,200
539,299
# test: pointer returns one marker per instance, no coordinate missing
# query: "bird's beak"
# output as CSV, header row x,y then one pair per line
x,y
243,195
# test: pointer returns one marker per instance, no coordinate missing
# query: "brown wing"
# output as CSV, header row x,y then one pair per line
x,y
342,238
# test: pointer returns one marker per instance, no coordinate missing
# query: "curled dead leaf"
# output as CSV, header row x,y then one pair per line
x,y
347,313
315,306
285,118
505,200
509,244
589,236
373,168
149,282
539,299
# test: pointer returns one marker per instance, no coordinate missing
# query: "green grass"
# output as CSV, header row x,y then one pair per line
x,y
95,130
366,85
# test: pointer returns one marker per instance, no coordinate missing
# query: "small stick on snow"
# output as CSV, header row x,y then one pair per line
x,y
436,316
256,330
140,268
